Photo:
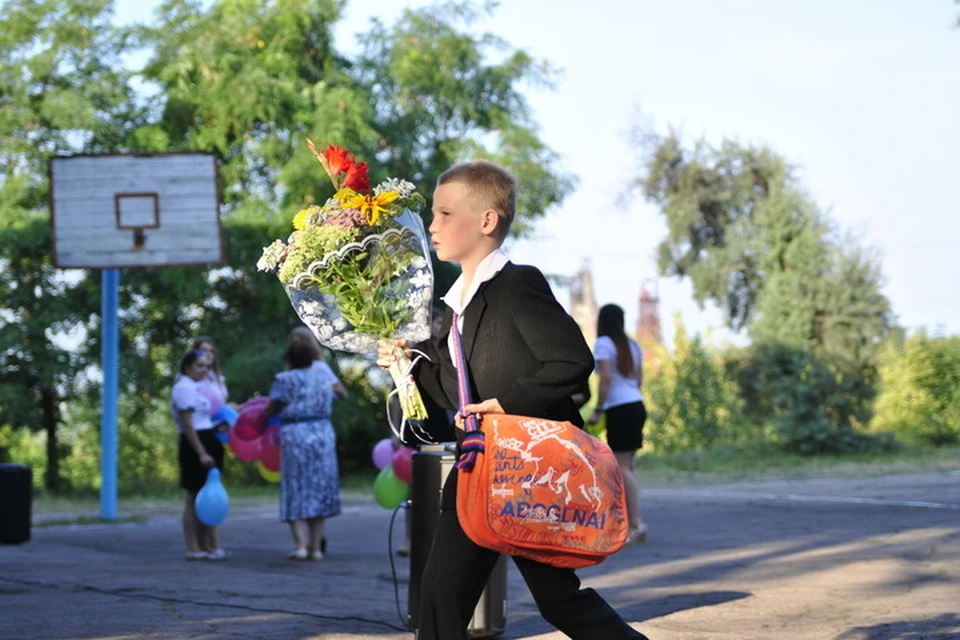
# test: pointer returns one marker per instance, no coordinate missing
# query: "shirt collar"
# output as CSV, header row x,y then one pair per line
x,y
486,270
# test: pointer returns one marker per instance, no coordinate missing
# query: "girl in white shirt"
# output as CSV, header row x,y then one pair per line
x,y
198,450
620,366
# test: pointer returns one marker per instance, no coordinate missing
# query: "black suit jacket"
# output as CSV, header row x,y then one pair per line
x,y
521,346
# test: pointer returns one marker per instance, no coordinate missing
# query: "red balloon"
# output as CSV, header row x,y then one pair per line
x,y
256,401
251,423
246,450
402,464
270,448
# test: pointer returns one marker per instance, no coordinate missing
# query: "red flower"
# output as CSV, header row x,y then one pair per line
x,y
337,160
357,178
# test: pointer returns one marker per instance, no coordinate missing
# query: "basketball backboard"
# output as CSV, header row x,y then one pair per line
x,y
151,210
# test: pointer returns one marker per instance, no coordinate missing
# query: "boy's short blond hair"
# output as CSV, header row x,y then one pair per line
x,y
492,185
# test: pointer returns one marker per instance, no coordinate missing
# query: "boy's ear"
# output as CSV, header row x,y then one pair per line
x,y
490,221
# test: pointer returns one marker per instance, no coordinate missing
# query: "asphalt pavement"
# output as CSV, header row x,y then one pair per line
x,y
845,559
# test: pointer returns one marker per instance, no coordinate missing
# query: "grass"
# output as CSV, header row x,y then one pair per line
x,y
727,464
719,465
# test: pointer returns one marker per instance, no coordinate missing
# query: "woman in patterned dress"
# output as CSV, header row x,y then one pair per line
x,y
302,398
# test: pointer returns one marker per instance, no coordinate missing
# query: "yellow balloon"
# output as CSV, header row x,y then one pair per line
x,y
266,474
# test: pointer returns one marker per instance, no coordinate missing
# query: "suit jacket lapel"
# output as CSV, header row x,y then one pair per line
x,y
471,320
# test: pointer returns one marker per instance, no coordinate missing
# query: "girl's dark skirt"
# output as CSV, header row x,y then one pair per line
x,y
625,426
192,473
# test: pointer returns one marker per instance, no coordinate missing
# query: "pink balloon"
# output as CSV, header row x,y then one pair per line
x,y
257,401
403,464
213,396
270,448
383,453
246,450
251,423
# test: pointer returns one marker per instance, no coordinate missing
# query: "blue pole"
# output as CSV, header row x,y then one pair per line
x,y
109,360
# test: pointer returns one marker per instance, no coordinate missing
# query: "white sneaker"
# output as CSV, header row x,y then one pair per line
x,y
638,535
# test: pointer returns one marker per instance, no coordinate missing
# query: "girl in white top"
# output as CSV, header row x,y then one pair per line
x,y
198,450
620,366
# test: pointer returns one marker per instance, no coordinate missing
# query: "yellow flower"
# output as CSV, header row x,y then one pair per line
x,y
344,195
300,220
371,206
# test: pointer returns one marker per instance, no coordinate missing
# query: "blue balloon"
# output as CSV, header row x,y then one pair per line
x,y
226,414
212,502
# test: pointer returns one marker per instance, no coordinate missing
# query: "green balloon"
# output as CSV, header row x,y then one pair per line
x,y
389,490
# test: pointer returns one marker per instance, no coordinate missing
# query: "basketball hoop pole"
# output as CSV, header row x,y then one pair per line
x,y
109,357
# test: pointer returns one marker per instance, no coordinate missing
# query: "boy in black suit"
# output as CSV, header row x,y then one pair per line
x,y
525,356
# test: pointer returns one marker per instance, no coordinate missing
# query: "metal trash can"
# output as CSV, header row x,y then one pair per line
x,y
16,496
431,465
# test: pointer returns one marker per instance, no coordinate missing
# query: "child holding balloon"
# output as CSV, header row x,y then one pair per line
x,y
214,386
198,451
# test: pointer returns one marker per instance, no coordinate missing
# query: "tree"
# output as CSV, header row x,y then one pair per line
x,y
712,200
248,80
752,242
62,90
815,403
920,390
426,76
692,403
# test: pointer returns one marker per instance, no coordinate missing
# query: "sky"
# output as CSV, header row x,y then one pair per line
x,y
861,96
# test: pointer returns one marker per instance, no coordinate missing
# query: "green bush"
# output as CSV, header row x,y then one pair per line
x,y
691,403
920,390
814,403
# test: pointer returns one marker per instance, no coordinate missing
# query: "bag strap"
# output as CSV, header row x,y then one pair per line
x,y
473,443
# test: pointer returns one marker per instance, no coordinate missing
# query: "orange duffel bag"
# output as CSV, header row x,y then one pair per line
x,y
536,488
541,489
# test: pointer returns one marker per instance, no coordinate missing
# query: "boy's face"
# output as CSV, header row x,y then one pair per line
x,y
460,228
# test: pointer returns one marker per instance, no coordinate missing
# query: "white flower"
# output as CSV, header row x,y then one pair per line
x,y
272,256
340,324
421,279
402,187
419,262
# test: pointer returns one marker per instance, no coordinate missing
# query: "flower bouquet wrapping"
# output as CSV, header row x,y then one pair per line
x,y
357,269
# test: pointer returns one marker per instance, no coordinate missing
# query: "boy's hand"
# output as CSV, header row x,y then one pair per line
x,y
387,352
479,408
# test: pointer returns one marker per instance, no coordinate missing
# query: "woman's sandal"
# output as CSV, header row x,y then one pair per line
x,y
299,553
218,554
193,556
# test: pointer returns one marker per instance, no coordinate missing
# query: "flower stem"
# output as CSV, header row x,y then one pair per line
x,y
410,400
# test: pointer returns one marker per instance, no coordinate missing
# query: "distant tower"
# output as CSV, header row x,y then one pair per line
x,y
648,325
583,302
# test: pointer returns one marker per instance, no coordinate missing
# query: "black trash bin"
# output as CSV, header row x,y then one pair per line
x,y
16,496
431,465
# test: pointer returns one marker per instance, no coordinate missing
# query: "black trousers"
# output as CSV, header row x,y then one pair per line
x,y
457,571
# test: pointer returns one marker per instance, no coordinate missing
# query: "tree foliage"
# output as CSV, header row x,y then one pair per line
x,y
61,91
920,390
752,242
714,201
248,80
813,403
691,403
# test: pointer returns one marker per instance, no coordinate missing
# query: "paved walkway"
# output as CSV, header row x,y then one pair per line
x,y
849,559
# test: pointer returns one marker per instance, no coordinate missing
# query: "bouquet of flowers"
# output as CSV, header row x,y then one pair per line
x,y
357,269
